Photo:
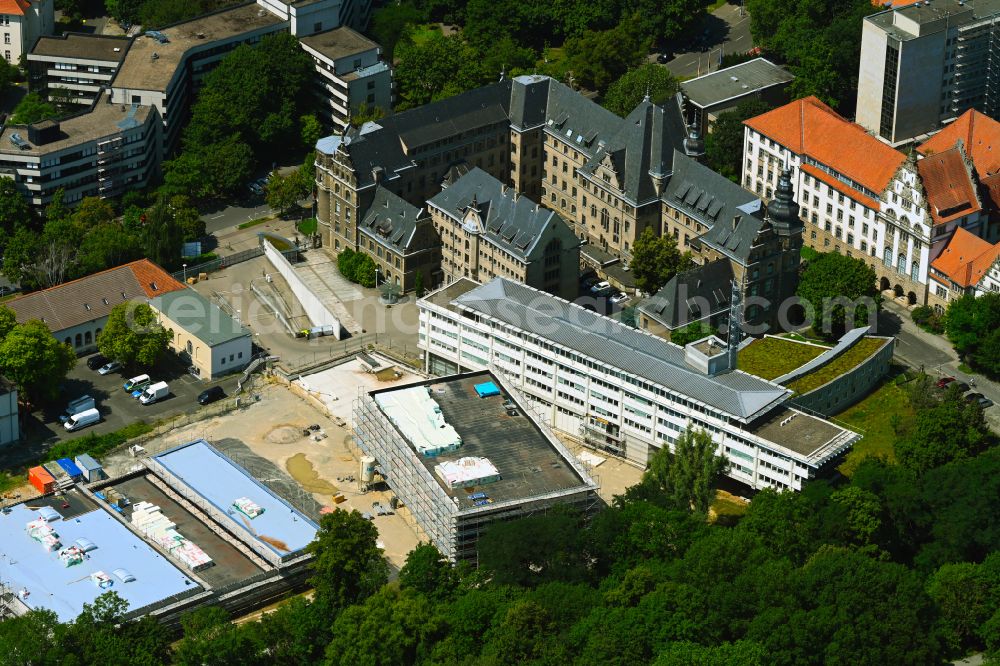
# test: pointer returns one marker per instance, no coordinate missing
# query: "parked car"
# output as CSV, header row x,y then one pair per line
x,y
138,382
6,290
962,387
109,367
663,58
211,395
96,361
600,287
620,297
589,282
82,420
979,399
944,381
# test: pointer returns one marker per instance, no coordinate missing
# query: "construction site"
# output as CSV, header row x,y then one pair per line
x,y
463,452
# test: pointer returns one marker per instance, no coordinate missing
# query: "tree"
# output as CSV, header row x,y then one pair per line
x,y
31,109
124,11
366,113
210,638
8,320
971,325
161,13
598,58
656,259
968,595
9,73
20,252
283,192
949,431
534,550
427,573
841,291
161,236
418,284
14,211
36,637
133,335
34,360
648,79
101,635
687,476
311,130
696,330
347,566
724,144
391,22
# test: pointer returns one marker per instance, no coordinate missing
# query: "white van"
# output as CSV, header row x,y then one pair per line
x,y
154,392
138,382
81,404
82,420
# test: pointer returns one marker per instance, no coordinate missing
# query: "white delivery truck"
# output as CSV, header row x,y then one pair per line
x,y
154,392
82,420
81,404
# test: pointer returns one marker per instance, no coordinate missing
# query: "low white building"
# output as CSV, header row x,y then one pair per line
x,y
205,337
622,390
10,430
22,22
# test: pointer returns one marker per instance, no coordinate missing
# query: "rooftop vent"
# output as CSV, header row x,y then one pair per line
x,y
117,49
156,56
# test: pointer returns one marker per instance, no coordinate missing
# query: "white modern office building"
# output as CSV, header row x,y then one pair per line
x,y
621,390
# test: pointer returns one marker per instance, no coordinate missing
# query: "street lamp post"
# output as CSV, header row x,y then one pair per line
x,y
185,273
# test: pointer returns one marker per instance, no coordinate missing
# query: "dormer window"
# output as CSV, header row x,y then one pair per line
x,y
87,305
152,285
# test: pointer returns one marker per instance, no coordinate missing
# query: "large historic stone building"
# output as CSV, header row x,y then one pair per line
x,y
608,177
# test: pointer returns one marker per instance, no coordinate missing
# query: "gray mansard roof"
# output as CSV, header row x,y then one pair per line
x,y
682,300
390,220
510,220
653,359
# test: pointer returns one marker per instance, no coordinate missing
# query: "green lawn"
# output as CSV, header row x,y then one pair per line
x,y
772,357
254,223
307,227
846,361
8,481
872,417
424,32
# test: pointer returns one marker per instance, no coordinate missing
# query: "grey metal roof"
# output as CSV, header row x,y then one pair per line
x,y
737,393
391,220
736,238
583,123
682,300
510,220
743,79
646,142
199,317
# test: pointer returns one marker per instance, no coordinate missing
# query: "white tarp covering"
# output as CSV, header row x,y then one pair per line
x,y
589,459
468,471
315,309
419,418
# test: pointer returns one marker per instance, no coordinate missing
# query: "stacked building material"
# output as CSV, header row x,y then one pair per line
x,y
248,507
42,532
159,529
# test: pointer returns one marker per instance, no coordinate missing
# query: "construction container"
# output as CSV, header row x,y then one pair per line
x,y
57,472
92,470
41,480
70,468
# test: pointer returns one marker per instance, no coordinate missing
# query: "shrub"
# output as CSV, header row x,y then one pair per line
x,y
357,267
97,445
926,318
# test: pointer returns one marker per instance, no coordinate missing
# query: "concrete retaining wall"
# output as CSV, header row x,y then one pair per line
x,y
845,390
318,313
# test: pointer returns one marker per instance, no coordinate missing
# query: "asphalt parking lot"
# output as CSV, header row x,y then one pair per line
x,y
117,407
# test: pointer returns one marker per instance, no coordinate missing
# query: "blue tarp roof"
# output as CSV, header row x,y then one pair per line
x,y
486,389
24,564
70,467
221,481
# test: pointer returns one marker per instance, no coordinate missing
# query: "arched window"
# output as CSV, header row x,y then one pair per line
x,y
901,263
87,339
190,347
79,340
914,271
887,257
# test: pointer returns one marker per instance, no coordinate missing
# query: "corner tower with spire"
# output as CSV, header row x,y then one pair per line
x,y
787,226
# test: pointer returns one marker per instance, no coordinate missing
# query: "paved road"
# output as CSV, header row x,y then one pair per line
x,y
232,216
728,32
934,354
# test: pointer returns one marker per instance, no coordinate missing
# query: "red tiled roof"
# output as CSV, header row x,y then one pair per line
x,y
978,132
992,185
966,258
809,127
950,190
840,186
92,297
13,7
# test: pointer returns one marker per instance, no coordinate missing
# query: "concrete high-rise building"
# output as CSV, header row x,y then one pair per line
x,y
925,64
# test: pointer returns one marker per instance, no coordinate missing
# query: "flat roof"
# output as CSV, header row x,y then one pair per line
x,y
81,46
802,433
528,462
220,481
25,564
618,347
199,316
140,71
742,79
95,123
339,43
